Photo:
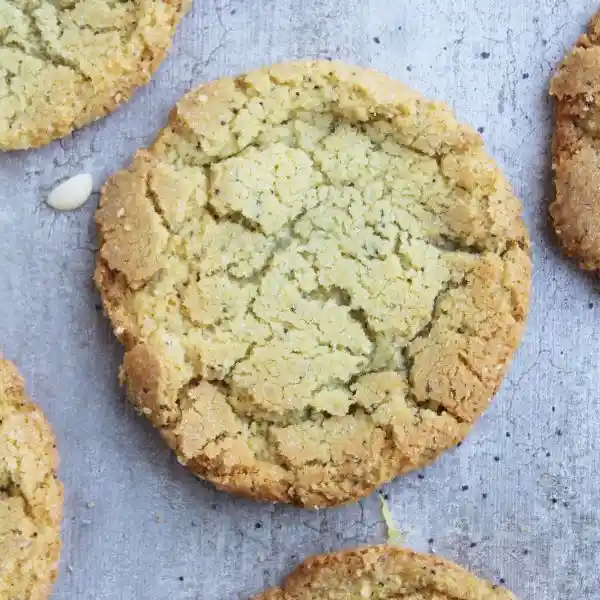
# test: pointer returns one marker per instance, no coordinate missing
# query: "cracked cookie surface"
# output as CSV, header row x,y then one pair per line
x,y
65,63
319,278
576,149
383,572
31,496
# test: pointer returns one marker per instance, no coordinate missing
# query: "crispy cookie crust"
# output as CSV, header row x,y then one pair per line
x,y
66,63
576,149
383,572
319,278
31,496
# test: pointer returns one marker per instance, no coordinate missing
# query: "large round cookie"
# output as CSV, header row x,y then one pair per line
x,y
31,497
576,149
382,573
319,278
65,63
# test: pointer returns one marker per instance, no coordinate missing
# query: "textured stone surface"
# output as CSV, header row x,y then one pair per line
x,y
153,531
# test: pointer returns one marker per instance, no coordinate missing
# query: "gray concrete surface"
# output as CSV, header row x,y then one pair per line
x,y
531,513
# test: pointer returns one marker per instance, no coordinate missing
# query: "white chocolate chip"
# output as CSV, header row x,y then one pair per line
x,y
72,193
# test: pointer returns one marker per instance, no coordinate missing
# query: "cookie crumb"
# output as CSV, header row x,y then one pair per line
x,y
71,194
394,536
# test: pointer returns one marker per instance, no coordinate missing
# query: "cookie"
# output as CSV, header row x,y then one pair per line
x,y
66,63
576,149
383,572
31,496
319,278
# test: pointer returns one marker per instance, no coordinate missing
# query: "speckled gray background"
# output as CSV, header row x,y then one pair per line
x,y
530,514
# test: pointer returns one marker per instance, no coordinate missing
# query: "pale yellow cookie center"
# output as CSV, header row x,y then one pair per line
x,y
314,259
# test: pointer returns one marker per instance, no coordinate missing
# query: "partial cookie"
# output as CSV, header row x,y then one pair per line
x,y
64,64
319,278
31,496
576,149
382,573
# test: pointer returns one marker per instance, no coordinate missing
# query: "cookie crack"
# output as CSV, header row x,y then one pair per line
x,y
152,196
44,51
466,363
235,217
37,54
449,286
343,299
424,333
12,489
